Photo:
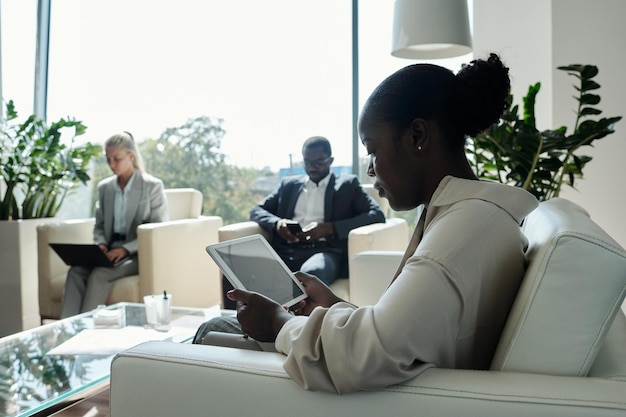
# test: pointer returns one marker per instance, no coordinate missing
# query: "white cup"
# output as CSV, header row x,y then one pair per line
x,y
163,312
150,303
158,311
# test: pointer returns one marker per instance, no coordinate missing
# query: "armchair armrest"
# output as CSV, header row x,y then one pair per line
x,y
166,379
371,274
52,271
391,235
172,257
237,230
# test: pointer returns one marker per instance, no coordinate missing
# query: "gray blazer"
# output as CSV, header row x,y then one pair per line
x,y
146,204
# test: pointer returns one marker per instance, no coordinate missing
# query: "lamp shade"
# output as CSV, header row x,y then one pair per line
x,y
429,29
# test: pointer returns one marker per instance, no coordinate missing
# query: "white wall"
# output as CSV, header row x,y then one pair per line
x,y
503,26
536,36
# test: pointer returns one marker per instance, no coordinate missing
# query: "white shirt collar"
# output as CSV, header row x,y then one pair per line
x,y
129,184
322,183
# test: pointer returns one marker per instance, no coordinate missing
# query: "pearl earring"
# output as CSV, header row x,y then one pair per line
x,y
419,148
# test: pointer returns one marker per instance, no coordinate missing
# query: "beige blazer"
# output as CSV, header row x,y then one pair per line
x,y
446,308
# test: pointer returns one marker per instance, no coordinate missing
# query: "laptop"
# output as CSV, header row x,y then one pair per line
x,y
89,255
250,263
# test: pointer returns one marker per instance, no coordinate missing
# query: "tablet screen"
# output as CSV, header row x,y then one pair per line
x,y
250,263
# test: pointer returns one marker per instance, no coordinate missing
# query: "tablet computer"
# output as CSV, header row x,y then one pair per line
x,y
251,264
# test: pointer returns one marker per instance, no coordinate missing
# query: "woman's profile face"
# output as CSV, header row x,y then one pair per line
x,y
391,163
120,160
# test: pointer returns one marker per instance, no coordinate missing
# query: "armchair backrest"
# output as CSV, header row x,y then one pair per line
x,y
573,289
184,203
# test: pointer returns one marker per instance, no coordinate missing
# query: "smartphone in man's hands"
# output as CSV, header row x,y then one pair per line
x,y
293,226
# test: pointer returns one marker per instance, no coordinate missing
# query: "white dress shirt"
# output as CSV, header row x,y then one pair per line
x,y
310,205
119,213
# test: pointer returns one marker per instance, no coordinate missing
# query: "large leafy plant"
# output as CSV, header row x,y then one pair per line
x,y
38,169
514,151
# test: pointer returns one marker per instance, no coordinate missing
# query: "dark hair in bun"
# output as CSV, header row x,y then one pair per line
x,y
462,104
483,89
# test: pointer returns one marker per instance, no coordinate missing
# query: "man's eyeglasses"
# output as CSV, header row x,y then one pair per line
x,y
318,163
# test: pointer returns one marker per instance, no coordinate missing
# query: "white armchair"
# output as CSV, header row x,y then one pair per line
x,y
562,352
171,257
393,235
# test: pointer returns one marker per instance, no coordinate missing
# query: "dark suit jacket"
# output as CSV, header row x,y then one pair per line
x,y
346,204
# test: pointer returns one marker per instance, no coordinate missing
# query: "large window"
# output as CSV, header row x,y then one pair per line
x,y
276,71
18,20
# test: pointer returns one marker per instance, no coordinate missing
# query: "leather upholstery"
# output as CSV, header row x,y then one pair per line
x,y
166,379
574,286
234,381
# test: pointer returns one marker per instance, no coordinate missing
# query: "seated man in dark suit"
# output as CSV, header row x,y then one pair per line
x,y
326,206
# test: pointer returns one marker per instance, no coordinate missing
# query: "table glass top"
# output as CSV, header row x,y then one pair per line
x,y
32,379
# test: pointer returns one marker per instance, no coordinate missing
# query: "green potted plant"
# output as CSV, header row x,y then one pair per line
x,y
514,151
37,167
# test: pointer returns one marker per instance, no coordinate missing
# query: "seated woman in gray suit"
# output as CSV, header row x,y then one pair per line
x,y
127,199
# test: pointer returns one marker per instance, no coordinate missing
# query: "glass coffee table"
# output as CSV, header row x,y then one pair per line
x,y
34,379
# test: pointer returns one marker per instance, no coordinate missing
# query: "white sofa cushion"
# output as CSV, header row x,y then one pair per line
x,y
574,287
169,379
611,360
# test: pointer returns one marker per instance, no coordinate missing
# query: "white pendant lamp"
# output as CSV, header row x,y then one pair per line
x,y
430,29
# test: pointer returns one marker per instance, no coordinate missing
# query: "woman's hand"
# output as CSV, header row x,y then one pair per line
x,y
260,317
319,295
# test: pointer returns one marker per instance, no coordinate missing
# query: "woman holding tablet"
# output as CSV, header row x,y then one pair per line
x,y
450,297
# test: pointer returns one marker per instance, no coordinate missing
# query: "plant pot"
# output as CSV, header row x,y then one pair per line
x,y
19,295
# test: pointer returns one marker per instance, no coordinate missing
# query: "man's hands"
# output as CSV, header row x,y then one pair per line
x,y
310,233
284,232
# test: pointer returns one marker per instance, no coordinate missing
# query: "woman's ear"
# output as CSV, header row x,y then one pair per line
x,y
420,134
